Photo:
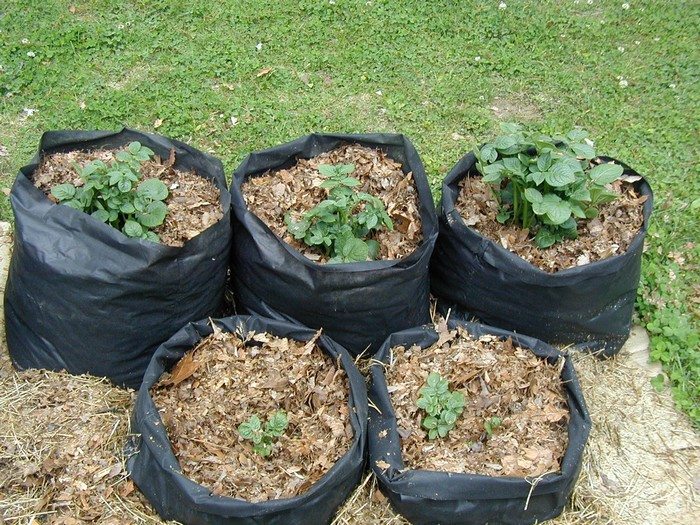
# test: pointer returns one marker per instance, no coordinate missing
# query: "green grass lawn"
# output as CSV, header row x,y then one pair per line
x,y
442,72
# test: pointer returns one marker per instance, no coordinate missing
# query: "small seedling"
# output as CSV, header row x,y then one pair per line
x,y
545,183
491,424
264,437
340,224
113,194
441,405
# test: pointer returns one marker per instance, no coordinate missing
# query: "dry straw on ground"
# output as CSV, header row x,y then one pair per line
x,y
641,466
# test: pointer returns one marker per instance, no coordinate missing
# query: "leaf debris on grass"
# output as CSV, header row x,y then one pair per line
x,y
226,380
296,190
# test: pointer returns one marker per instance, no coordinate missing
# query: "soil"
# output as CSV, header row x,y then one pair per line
x,y
498,379
223,382
296,190
611,233
193,201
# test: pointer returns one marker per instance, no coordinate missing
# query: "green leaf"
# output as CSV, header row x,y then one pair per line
x,y
488,153
443,430
577,134
132,229
532,195
63,192
153,215
560,174
503,215
558,212
545,238
544,161
101,215
583,150
327,170
373,248
504,142
153,189
124,185
134,147
151,236
537,177
433,379
430,422
606,173
127,208
514,165
123,156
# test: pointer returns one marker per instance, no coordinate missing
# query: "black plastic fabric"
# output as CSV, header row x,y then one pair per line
x,y
440,498
82,296
357,304
588,306
156,470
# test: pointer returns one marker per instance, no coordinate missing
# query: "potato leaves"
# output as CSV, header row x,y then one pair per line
x,y
264,437
340,224
441,405
115,194
546,183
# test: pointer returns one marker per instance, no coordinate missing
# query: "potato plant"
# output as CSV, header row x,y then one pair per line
x,y
440,404
263,437
545,183
115,194
340,224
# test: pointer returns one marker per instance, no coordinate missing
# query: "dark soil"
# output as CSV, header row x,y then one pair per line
x,y
498,379
611,233
296,190
193,201
223,382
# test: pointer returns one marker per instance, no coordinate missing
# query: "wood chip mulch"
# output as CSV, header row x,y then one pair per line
x,y
193,201
611,233
296,190
498,379
224,381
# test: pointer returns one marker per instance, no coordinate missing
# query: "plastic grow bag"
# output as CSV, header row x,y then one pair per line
x,y
441,498
82,296
588,306
156,471
357,304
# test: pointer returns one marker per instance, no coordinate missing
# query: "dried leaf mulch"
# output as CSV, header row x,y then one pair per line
x,y
498,379
225,380
611,233
193,201
296,190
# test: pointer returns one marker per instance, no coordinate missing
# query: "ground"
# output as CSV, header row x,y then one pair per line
x,y
233,77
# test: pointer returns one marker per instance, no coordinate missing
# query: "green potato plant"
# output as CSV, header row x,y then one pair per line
x,y
340,224
545,183
441,406
115,194
491,424
263,437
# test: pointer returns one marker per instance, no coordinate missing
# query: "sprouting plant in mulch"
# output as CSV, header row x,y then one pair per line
x,y
340,224
441,405
491,424
113,194
545,183
263,437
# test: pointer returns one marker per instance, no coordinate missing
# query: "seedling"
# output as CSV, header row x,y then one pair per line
x,y
491,424
441,405
545,183
113,194
340,224
264,437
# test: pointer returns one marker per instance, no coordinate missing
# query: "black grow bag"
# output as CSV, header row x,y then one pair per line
x,y
440,498
357,304
156,471
82,296
588,306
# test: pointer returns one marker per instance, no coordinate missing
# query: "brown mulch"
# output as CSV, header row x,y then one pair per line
x,y
611,233
223,382
296,190
498,379
193,201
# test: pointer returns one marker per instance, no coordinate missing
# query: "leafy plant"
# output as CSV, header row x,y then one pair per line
x,y
441,405
492,424
113,194
264,437
545,183
340,224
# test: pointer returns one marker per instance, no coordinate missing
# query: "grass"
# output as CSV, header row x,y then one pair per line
x,y
442,72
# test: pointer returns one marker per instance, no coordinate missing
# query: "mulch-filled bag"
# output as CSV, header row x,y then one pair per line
x,y
84,297
427,497
588,306
156,471
357,304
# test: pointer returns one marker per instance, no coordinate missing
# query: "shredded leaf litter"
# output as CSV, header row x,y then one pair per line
x,y
296,190
193,201
225,380
498,380
611,233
